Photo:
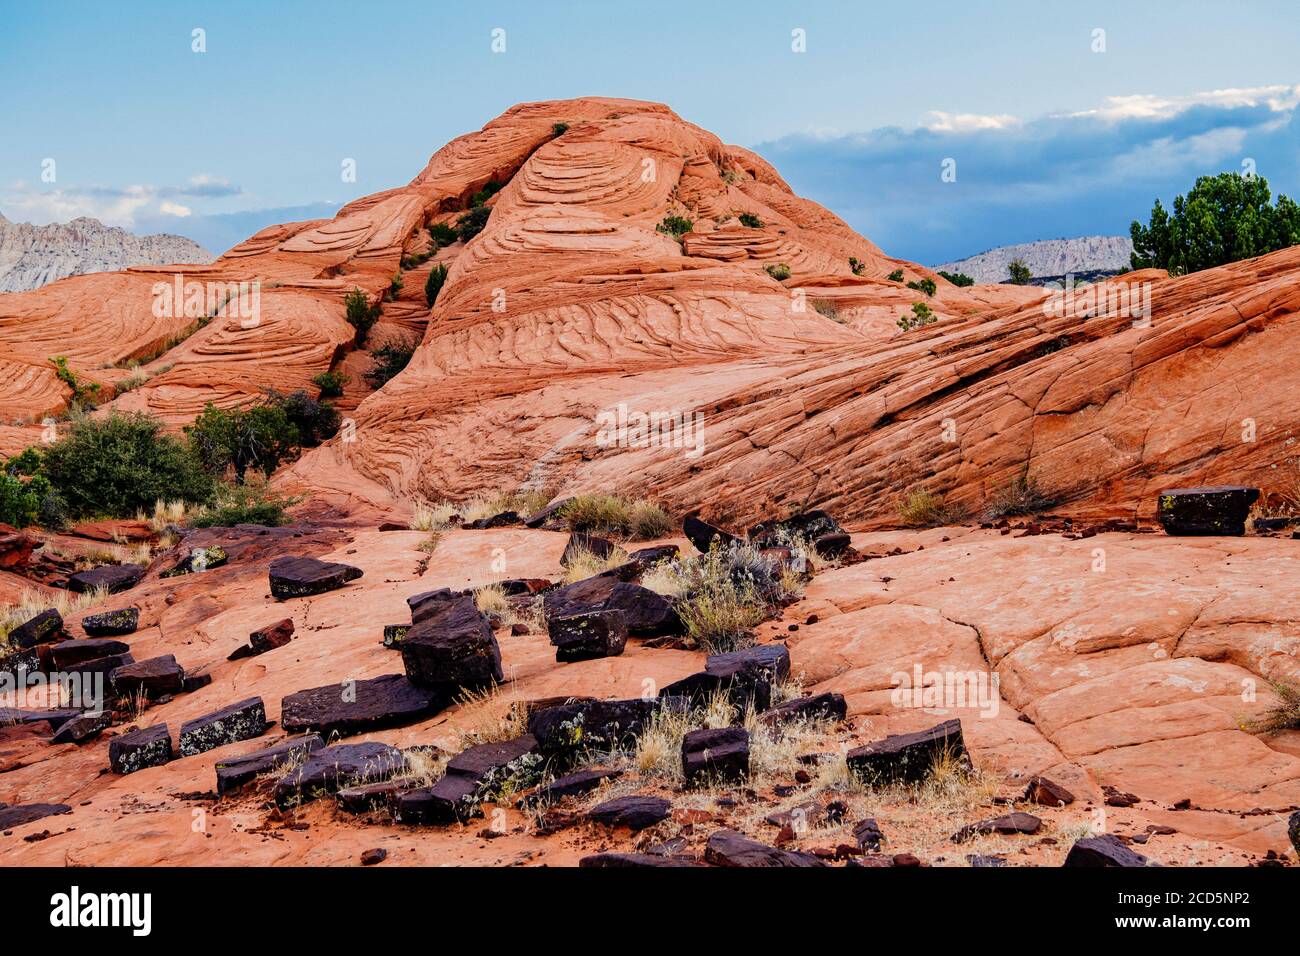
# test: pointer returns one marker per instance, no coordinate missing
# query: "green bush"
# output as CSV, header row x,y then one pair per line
x,y
481,197
245,504
390,359
1224,218
957,278
20,501
330,383
895,276
316,421
258,437
675,226
559,129
921,316
362,316
121,464
83,395
442,234
780,271
471,224
638,519
433,285
1018,272
395,285
924,285
857,265
750,220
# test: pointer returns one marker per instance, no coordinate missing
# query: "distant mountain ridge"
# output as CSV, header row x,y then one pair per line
x,y
1085,257
33,256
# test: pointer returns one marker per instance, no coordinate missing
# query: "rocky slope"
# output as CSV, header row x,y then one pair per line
x,y
1047,259
1128,664
33,256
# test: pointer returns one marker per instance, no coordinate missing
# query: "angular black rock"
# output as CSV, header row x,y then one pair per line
x,y
580,542
124,620
452,799
240,721
17,715
495,763
98,665
1007,824
19,814
1205,511
746,676
832,545
501,520
300,577
720,754
452,648
780,533
702,535
551,513
598,724
41,629
1105,850
867,833
147,747
828,706
333,768
355,707
66,654
585,637
573,785
111,577
235,772
908,757
634,812
394,634
632,861
729,848
427,603
153,677
647,614
80,729
472,776
371,796
198,561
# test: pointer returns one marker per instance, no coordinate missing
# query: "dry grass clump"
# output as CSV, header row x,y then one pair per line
x,y
634,519
829,309
658,749
165,513
491,717
425,766
924,509
432,516
1284,715
32,603
583,563
1021,497
441,515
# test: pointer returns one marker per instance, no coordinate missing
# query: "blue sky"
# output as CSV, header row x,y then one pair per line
x,y
1049,137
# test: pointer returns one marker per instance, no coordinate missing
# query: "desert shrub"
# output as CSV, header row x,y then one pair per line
x,y
390,358
895,276
922,315
827,308
316,421
26,462
1284,715
442,234
258,437
1018,273
433,284
780,271
245,504
20,501
675,226
395,285
750,220
330,383
957,278
857,265
583,563
1222,219
559,129
924,285
924,509
84,395
616,515
1021,497
471,224
361,315
483,195
419,258
117,465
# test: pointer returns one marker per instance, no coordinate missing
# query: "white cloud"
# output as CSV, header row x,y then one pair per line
x,y
1279,99
114,205
169,208
942,122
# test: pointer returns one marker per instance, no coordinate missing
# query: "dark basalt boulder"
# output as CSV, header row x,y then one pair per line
x,y
355,707
580,541
646,613
809,524
452,799
371,796
111,577
153,677
729,848
235,772
41,629
427,603
1009,824
596,724
198,561
452,647
19,814
1105,851
95,665
66,654
394,634
585,637
829,706
148,747
714,755
632,861
657,554
18,715
908,758
702,535
550,515
572,785
1293,831
265,639
867,834
293,577
80,729
634,812
746,676
832,545
112,623
515,587
1047,793
332,768
1205,511
240,721
502,520
472,776
493,764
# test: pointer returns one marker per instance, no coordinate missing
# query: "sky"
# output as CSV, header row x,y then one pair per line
x,y
1052,120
